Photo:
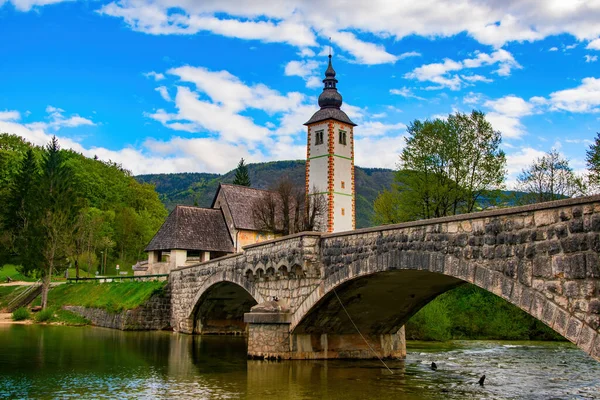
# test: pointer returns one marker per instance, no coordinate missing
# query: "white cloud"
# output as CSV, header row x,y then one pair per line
x,y
594,45
379,152
155,75
409,54
377,128
506,115
583,99
364,52
553,48
10,115
306,69
589,58
405,92
440,73
517,161
27,5
472,98
164,93
302,22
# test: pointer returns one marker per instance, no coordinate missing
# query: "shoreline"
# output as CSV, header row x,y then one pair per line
x,y
6,319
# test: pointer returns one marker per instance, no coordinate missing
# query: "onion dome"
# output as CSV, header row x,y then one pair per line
x,y
330,100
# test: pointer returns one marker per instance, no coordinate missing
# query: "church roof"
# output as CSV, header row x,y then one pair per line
x,y
241,201
330,113
193,228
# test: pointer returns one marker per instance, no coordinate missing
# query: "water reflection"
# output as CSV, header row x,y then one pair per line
x,y
51,361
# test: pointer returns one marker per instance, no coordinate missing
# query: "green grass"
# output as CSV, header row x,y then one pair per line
x,y
44,316
21,314
113,297
10,270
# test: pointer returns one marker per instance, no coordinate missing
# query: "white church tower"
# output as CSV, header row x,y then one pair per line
x,y
330,158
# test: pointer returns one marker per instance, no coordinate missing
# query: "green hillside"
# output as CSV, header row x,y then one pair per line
x,y
199,188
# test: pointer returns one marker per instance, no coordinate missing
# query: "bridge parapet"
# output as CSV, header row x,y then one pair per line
x,y
287,268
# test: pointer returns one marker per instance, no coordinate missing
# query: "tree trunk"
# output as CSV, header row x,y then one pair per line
x,y
45,289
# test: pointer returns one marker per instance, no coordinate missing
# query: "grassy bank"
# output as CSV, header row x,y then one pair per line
x,y
469,312
10,271
112,297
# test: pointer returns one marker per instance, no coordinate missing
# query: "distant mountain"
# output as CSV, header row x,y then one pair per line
x,y
199,188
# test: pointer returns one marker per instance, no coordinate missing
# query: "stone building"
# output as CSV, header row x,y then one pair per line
x,y
192,234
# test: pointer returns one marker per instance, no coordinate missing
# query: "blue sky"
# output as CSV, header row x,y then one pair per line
x,y
185,85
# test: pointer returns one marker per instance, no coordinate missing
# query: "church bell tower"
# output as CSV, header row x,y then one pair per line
x,y
330,158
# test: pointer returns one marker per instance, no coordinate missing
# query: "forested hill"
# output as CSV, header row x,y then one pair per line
x,y
199,188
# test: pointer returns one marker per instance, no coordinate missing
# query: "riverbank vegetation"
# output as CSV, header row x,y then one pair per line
x,y
469,312
65,210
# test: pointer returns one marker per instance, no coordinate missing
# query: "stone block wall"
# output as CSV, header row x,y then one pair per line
x,y
155,314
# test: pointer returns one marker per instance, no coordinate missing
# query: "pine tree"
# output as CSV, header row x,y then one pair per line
x,y
241,174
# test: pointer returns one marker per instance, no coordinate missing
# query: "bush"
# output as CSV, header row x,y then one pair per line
x,y
44,315
21,314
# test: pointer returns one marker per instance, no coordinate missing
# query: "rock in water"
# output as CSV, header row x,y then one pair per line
x,y
433,366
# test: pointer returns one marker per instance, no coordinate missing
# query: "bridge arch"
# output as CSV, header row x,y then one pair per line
x,y
220,303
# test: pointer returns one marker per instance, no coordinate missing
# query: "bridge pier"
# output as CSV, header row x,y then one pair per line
x,y
269,337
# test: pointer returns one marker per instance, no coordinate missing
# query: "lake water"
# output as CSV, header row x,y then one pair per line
x,y
71,362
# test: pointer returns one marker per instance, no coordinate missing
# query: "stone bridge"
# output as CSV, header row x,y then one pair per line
x,y
542,258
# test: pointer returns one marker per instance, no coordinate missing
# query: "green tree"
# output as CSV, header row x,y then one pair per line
x,y
549,178
447,167
241,174
593,161
58,214
22,237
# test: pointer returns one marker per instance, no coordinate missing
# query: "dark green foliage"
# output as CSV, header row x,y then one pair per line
x,y
592,157
101,207
448,167
241,175
21,314
469,312
200,188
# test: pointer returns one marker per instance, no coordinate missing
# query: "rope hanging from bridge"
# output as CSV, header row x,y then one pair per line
x,y
361,335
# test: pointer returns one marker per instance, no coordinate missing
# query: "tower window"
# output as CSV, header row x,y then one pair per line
x,y
343,185
343,137
318,137
343,211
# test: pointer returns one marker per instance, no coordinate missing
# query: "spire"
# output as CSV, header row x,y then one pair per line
x,y
330,98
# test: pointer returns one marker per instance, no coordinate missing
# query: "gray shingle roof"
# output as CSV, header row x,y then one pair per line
x,y
330,113
241,200
193,228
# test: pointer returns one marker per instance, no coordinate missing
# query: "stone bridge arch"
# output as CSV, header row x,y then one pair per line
x,y
541,258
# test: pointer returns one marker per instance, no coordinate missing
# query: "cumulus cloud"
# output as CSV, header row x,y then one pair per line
x,y
306,69
589,58
444,76
506,114
594,45
585,98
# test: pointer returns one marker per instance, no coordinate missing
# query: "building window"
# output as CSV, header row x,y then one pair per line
x,y
343,137
318,137
343,211
343,185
